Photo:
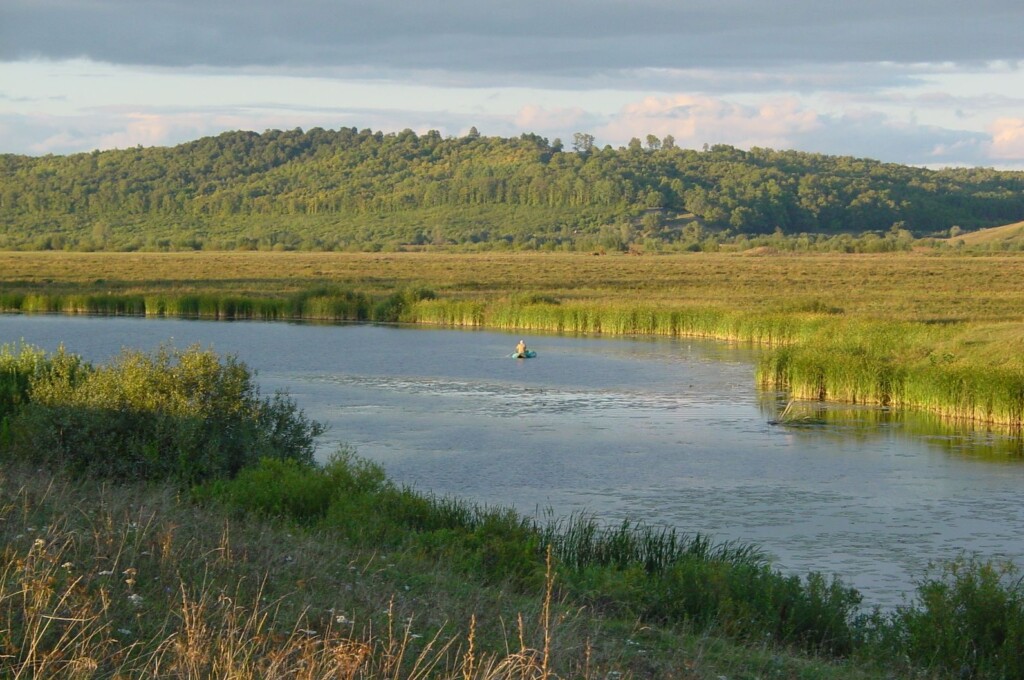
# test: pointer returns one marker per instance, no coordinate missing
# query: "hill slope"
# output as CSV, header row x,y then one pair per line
x,y
349,189
1006,237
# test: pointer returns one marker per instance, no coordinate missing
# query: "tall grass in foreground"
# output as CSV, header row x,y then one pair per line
x,y
106,583
101,581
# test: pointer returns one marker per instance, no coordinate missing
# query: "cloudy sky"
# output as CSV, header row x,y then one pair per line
x,y
925,82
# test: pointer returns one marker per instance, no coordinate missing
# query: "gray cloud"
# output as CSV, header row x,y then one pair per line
x,y
876,137
563,39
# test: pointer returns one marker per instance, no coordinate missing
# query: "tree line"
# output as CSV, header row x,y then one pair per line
x,y
357,189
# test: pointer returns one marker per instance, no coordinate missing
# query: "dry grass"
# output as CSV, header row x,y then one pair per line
x,y
915,286
118,585
1008,233
101,581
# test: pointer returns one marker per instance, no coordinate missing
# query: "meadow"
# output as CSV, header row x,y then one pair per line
x,y
941,332
908,287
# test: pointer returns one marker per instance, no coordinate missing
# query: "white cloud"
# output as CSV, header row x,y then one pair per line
x,y
1008,139
694,120
888,80
533,117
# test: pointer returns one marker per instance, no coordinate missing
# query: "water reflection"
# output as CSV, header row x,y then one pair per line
x,y
866,423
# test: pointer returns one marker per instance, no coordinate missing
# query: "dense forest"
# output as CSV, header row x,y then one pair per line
x,y
363,190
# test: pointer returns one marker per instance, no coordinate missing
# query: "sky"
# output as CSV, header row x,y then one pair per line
x,y
933,83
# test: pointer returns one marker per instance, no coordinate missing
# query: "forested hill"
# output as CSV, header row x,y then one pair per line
x,y
325,189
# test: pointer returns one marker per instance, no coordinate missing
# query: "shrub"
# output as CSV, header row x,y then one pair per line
x,y
969,620
276,488
182,415
18,365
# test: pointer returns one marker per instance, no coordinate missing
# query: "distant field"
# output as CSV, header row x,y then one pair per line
x,y
916,287
1008,233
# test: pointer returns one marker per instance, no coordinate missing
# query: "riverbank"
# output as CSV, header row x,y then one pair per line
x,y
101,581
159,517
158,503
894,330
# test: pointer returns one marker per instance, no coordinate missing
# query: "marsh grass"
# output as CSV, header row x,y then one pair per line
x,y
617,319
907,287
320,304
112,581
901,365
581,541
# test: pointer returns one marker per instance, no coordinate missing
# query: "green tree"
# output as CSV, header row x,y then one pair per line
x,y
582,142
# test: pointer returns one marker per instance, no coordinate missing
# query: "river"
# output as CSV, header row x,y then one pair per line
x,y
665,431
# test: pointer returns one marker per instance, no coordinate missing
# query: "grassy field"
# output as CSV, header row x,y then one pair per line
x,y
109,581
943,333
1008,234
917,287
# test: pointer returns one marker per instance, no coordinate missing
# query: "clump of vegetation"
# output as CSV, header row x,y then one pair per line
x,y
900,365
184,415
396,306
656,574
967,621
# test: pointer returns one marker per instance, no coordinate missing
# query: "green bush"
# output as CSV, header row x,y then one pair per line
x,y
656,574
969,620
276,488
18,365
181,415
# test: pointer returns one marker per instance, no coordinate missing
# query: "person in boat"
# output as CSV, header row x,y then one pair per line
x,y
521,349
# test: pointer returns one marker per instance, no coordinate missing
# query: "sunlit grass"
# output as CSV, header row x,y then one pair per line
x,y
103,581
943,333
900,286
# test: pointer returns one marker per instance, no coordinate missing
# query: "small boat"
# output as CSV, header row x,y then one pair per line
x,y
528,354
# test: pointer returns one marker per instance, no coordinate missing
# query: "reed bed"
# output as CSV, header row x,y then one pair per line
x,y
618,320
580,541
333,306
902,365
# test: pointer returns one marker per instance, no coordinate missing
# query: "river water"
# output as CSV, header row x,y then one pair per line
x,y
665,431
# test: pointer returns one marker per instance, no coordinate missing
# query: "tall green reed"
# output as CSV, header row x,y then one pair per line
x,y
900,365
